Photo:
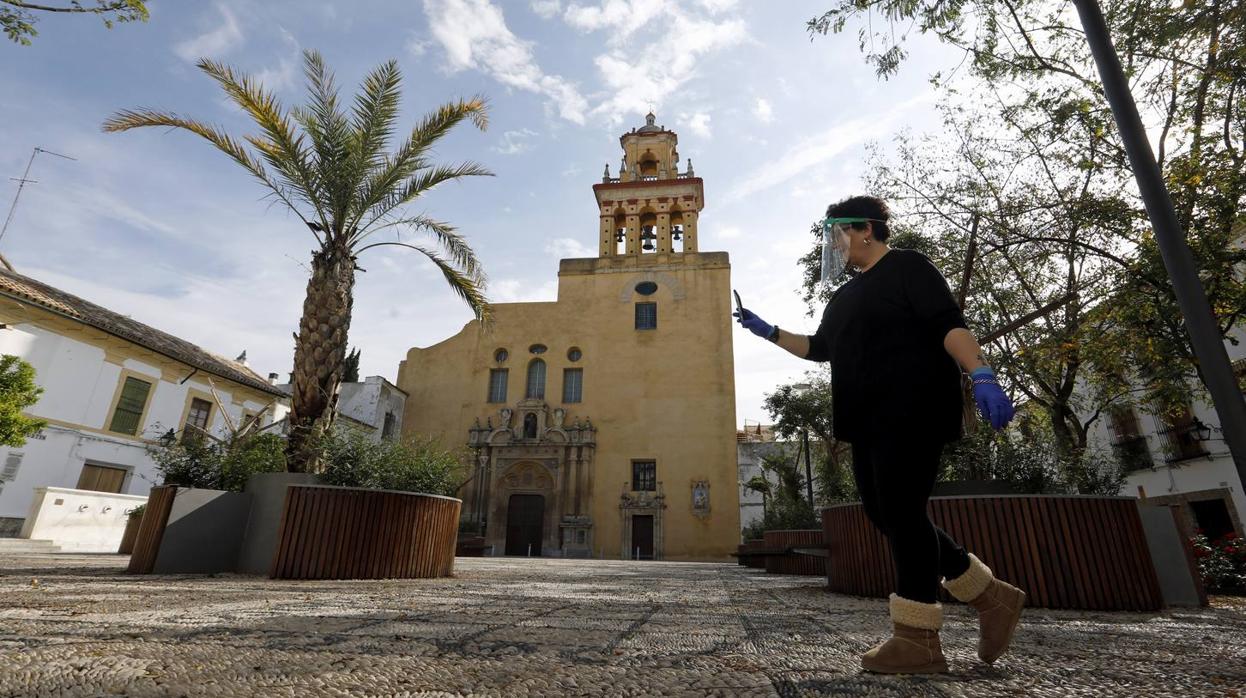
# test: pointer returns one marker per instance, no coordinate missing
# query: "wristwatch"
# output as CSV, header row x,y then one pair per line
x,y
774,335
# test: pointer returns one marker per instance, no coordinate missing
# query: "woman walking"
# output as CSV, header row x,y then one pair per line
x,y
894,336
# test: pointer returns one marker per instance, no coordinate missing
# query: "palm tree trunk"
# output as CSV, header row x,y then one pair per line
x,y
319,348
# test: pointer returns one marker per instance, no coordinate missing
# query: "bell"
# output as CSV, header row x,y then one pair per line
x,y
648,246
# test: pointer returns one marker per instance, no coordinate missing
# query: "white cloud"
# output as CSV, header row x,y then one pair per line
x,y
474,35
698,123
637,76
522,291
716,6
622,17
763,111
281,77
418,47
564,248
546,8
515,142
729,232
214,42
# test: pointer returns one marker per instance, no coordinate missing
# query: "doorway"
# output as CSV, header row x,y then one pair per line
x,y
525,524
642,537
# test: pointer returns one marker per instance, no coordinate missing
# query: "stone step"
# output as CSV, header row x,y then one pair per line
x,y
11,546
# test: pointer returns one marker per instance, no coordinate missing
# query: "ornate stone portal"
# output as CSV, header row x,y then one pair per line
x,y
532,483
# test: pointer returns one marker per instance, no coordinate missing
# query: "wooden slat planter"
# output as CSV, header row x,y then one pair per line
x,y
789,562
151,530
348,533
130,535
752,553
1064,551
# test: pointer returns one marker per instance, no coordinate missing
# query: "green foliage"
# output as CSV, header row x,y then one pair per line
x,y
413,465
350,367
18,391
784,495
1026,458
807,408
1222,562
138,511
18,18
203,461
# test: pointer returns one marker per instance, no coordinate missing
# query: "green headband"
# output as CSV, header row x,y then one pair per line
x,y
828,222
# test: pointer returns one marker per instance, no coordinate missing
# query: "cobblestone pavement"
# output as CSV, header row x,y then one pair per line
x,y
75,625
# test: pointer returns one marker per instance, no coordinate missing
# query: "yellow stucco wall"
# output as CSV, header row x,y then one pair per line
x,y
666,394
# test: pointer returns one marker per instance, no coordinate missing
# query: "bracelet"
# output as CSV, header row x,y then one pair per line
x,y
774,335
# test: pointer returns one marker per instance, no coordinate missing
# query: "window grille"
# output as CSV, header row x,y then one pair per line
x,y
646,316
536,380
497,384
572,384
644,476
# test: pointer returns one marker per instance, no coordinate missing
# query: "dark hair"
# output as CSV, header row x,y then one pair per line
x,y
864,207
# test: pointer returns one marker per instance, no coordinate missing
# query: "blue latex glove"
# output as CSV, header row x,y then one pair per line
x,y
752,323
992,402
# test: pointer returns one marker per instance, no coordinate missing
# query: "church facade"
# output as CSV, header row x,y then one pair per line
x,y
601,424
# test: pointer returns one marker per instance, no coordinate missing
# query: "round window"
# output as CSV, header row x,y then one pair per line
x,y
574,354
501,355
646,288
537,349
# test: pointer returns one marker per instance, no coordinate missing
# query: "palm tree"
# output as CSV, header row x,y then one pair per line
x,y
331,167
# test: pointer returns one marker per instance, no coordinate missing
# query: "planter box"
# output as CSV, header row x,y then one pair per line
x,y
785,560
350,533
287,527
1076,552
470,546
130,535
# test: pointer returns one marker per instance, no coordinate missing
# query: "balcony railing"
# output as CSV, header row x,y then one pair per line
x,y
1181,442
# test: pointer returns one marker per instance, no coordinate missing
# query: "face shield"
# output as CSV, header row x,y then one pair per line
x,y
835,244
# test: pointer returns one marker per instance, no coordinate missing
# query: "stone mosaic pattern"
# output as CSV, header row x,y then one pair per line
x,y
74,625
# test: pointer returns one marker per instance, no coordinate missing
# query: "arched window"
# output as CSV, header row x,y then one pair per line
x,y
536,380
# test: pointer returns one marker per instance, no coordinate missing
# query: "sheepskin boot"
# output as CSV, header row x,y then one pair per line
x,y
914,646
998,603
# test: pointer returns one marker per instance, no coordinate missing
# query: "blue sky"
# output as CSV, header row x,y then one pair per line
x,y
162,227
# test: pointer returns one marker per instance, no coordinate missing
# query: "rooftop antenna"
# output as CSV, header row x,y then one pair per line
x,y
21,184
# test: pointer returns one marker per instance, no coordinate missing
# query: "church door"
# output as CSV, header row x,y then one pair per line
x,y
525,519
642,537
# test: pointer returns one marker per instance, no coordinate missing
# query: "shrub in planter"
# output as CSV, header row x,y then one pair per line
x,y
216,463
1222,562
412,465
137,512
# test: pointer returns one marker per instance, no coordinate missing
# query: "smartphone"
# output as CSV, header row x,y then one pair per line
x,y
739,307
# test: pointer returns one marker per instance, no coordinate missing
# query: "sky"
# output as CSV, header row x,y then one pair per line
x,y
160,226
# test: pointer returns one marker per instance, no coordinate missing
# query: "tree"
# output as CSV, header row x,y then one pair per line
x,y
350,367
17,18
807,408
17,392
330,167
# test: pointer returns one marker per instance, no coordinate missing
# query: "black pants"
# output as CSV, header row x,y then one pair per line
x,y
895,478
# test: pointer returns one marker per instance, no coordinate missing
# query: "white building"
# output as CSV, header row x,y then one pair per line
x,y
1183,461
372,407
110,386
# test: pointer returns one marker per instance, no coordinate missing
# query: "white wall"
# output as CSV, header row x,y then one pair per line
x,y
79,520
368,402
79,386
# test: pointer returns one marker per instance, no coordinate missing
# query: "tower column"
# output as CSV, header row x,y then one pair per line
x,y
633,233
664,233
690,231
607,247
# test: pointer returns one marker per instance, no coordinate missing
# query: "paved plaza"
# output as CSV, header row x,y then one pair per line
x,y
76,625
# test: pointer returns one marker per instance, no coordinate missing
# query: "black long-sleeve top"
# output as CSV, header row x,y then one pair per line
x,y
883,333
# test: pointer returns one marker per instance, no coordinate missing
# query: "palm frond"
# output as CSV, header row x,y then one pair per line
x,y
330,133
283,147
468,286
447,237
372,122
419,184
410,156
131,119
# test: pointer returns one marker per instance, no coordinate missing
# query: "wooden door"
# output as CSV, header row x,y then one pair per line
x,y
642,537
525,524
100,478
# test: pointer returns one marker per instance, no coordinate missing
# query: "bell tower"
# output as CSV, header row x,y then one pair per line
x,y
650,207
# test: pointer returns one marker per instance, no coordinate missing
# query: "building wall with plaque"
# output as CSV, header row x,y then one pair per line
x,y
602,424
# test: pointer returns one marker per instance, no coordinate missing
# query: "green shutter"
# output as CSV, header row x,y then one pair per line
x,y
130,406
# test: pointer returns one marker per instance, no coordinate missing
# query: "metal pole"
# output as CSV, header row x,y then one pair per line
x,y
804,437
1204,333
21,184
